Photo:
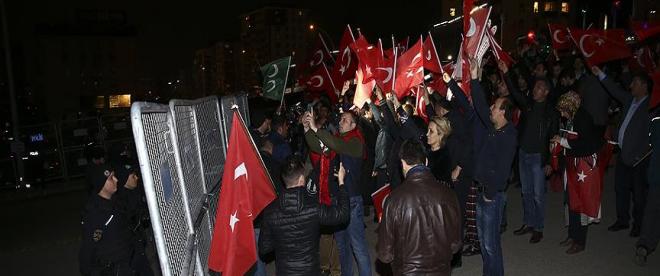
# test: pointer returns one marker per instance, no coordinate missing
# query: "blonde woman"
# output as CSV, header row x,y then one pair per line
x,y
439,158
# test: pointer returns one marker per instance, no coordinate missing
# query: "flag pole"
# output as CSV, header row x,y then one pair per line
x,y
326,47
396,51
285,79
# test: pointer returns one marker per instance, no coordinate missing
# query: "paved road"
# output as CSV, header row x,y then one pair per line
x,y
41,237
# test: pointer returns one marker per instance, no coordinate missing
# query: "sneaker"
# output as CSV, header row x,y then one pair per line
x,y
566,242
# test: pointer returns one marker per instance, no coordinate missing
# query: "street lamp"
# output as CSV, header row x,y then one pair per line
x,y
584,18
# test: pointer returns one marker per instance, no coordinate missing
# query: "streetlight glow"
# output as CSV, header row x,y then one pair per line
x,y
311,27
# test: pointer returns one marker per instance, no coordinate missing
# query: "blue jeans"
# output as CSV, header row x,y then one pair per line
x,y
532,180
489,217
260,266
353,240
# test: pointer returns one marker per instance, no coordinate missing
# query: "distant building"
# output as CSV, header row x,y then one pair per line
x,y
86,65
266,34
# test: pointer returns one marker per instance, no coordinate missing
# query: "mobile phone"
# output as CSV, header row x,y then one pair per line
x,y
310,108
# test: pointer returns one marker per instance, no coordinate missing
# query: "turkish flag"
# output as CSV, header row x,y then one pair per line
x,y
468,5
384,74
321,81
409,70
598,46
431,59
320,54
655,95
474,43
644,30
642,60
369,57
378,198
246,190
344,68
560,38
401,46
498,52
420,102
362,90
584,177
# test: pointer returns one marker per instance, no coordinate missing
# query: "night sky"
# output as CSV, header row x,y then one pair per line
x,y
169,32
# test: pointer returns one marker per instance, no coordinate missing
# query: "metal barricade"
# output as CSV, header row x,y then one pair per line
x,y
166,195
181,149
187,149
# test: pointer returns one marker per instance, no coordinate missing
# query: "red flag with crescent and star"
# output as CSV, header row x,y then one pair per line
x,y
409,70
598,46
584,177
346,63
246,190
320,81
474,34
320,54
560,38
431,59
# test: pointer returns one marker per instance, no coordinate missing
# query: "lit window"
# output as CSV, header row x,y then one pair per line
x,y
564,7
100,102
549,6
452,11
120,100
536,7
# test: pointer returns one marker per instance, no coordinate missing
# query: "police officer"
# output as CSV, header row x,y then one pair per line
x,y
109,243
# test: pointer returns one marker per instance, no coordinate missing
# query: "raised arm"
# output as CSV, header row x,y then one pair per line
x,y
518,97
612,88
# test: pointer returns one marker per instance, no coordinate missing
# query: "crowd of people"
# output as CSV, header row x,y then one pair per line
x,y
543,122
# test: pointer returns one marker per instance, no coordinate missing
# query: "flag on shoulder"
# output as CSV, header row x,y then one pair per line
x,y
275,76
246,190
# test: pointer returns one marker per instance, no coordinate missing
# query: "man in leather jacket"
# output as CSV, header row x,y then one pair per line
x,y
420,230
291,224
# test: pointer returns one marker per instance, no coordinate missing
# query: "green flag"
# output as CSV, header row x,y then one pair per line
x,y
275,75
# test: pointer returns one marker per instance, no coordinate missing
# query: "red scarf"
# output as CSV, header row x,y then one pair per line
x,y
323,161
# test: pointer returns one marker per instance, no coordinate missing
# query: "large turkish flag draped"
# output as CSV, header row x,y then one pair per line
x,y
346,63
246,190
598,46
559,35
585,181
409,70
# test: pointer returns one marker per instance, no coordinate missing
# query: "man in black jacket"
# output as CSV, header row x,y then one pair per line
x,y
632,136
108,244
291,225
538,124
